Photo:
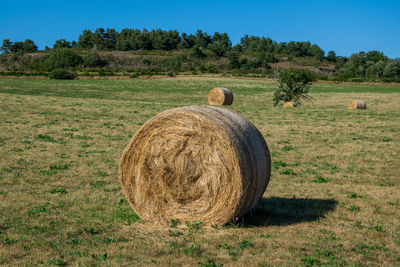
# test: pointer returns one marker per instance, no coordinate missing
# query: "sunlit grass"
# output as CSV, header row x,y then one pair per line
x,y
332,199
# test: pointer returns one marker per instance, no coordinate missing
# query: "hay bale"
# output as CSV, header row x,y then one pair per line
x,y
289,105
357,104
220,96
195,163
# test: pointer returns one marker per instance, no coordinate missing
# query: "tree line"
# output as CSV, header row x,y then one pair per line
x,y
251,53
135,39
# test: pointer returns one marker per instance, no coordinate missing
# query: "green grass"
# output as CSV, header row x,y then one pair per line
x,y
333,197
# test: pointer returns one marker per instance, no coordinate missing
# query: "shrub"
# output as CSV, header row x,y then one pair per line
x,y
294,85
104,73
173,63
392,70
197,52
92,59
62,74
233,58
218,47
145,61
211,68
256,62
62,58
357,79
268,58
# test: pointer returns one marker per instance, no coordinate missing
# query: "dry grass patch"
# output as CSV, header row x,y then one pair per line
x,y
333,196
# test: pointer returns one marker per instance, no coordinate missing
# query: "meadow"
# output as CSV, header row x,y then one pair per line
x,y
333,197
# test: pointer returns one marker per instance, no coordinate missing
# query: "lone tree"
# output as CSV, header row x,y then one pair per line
x,y
294,85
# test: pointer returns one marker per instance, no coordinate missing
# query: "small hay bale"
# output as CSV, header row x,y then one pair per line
x,y
357,104
289,105
220,96
195,163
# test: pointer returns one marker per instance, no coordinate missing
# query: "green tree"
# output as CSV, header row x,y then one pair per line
x,y
218,48
123,40
331,56
375,56
233,58
299,49
340,62
29,46
392,70
6,47
375,70
220,44
86,39
294,85
143,40
187,41
316,51
62,43
165,40
268,58
16,47
354,67
238,48
197,51
109,39
202,39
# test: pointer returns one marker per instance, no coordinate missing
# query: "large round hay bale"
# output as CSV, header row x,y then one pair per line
x,y
195,163
220,96
289,105
357,104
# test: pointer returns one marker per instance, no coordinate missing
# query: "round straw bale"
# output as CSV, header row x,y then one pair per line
x,y
220,96
357,104
195,163
289,105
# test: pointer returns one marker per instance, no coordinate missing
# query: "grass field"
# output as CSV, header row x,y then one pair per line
x,y
333,197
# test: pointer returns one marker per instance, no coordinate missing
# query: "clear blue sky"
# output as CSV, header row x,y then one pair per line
x,y
343,26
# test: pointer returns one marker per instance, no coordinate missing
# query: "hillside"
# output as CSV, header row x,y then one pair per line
x,y
134,53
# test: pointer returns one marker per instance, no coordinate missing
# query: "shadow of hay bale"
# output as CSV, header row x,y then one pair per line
x,y
287,211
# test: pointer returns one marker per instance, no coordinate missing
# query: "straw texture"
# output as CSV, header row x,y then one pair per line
x,y
195,163
357,104
220,96
289,105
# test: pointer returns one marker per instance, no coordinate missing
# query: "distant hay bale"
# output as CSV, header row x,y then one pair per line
x,y
220,96
357,104
289,105
195,163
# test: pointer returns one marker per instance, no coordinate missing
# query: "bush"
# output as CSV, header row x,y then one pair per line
x,y
294,85
62,74
173,63
104,73
133,75
357,79
210,68
62,58
268,58
218,47
92,59
233,58
256,62
197,52
392,70
145,61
